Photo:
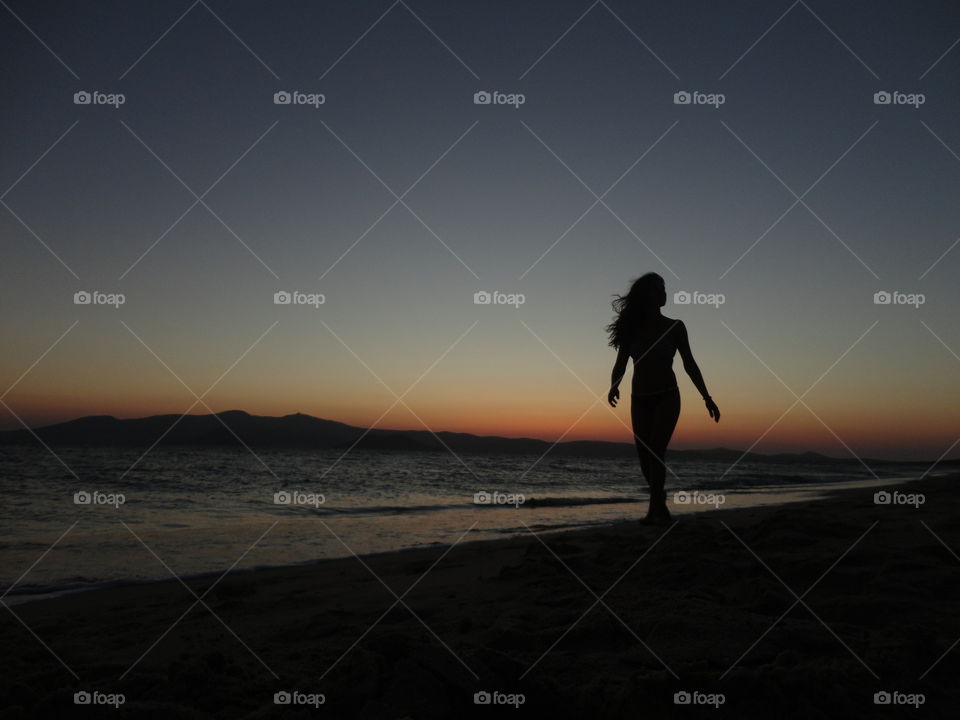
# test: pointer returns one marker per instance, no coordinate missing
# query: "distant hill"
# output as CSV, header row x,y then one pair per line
x,y
308,432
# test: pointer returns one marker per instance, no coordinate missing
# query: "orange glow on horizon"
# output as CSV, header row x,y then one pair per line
x,y
739,428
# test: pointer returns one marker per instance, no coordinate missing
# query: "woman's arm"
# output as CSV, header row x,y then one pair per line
x,y
619,369
693,370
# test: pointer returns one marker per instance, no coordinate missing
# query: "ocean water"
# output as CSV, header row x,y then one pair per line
x,y
189,511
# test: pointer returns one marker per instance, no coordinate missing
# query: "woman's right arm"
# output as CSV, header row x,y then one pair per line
x,y
619,369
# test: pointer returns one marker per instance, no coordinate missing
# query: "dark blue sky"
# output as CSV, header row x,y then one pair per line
x,y
298,190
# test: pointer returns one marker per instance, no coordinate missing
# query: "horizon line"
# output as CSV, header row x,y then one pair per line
x,y
32,429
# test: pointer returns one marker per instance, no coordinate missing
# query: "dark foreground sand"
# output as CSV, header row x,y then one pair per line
x,y
678,619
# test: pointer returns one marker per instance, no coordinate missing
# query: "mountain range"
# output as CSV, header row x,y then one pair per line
x,y
307,432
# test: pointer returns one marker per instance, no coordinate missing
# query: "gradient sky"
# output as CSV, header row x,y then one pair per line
x,y
599,82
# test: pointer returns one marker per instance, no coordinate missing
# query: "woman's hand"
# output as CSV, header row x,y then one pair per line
x,y
712,409
613,396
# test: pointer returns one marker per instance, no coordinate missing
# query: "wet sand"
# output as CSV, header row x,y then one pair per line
x,y
707,606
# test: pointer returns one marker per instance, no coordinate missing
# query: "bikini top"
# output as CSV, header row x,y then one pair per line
x,y
663,348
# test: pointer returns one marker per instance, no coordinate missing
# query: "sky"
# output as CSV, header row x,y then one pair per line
x,y
783,188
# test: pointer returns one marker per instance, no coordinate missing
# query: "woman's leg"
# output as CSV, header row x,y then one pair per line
x,y
642,417
663,420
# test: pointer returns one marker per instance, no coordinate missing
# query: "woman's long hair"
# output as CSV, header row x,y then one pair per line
x,y
644,293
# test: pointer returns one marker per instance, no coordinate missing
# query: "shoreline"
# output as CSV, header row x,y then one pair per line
x,y
826,490
599,621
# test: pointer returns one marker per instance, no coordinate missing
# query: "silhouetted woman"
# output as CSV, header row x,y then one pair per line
x,y
640,331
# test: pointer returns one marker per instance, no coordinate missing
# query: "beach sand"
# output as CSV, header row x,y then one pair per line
x,y
687,607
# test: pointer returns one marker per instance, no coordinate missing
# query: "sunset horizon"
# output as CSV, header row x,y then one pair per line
x,y
683,441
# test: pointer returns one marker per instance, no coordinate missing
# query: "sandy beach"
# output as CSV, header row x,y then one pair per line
x,y
802,611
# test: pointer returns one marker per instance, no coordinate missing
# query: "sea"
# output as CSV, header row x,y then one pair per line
x,y
83,518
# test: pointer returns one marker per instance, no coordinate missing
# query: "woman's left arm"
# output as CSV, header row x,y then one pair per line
x,y
693,370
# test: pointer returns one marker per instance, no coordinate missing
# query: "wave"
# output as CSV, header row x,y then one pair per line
x,y
578,501
528,502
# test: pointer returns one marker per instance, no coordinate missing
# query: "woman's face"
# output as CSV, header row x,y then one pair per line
x,y
652,293
660,295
